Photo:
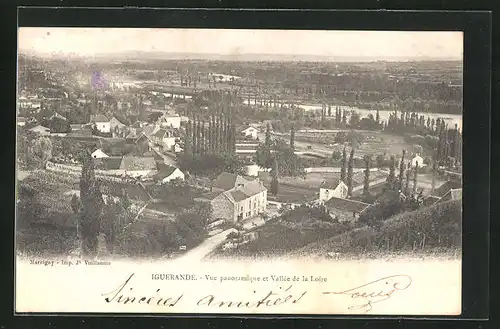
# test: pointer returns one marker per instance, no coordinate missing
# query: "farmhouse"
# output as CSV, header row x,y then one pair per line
x,y
164,138
345,209
167,173
235,198
332,188
101,122
417,159
250,132
118,128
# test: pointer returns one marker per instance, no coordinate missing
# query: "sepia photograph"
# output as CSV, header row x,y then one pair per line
x,y
323,164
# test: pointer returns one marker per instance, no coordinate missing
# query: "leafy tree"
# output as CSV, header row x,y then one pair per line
x,y
354,119
75,204
381,161
343,169
92,204
40,152
350,173
336,155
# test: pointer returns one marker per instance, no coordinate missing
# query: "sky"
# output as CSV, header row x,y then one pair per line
x,y
383,44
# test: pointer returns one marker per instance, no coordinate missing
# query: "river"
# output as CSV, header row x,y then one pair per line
x,y
450,119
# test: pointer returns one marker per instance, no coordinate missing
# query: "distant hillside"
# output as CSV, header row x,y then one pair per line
x,y
142,56
436,227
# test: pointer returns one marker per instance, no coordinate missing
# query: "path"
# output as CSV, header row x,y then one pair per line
x,y
206,247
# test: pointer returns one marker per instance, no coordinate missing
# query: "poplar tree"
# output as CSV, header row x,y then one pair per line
x,y
401,171
274,181
350,172
366,185
408,174
415,179
292,138
377,117
342,167
92,204
268,135
392,169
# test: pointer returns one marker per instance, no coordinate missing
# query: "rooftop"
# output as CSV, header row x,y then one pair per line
x,y
99,118
346,205
132,163
442,190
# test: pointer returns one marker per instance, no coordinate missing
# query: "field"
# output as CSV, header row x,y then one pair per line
x,y
374,143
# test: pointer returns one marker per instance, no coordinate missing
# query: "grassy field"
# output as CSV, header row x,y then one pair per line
x,y
375,143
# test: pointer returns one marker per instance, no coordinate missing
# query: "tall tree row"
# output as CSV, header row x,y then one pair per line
x,y
213,136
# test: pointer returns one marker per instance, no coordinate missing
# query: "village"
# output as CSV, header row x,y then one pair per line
x,y
211,146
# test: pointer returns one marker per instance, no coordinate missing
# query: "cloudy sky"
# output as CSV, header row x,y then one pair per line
x,y
383,44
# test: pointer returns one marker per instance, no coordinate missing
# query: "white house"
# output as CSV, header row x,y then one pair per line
x,y
251,132
168,173
164,138
114,123
21,121
98,154
332,188
417,159
40,130
235,198
102,123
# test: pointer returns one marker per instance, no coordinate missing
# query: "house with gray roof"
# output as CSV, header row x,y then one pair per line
x,y
236,198
345,209
135,166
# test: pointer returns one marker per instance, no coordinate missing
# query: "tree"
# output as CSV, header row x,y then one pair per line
x,y
366,185
392,176
350,172
401,171
329,110
40,152
408,173
75,204
354,119
274,182
92,204
415,179
268,135
292,138
342,168
377,117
